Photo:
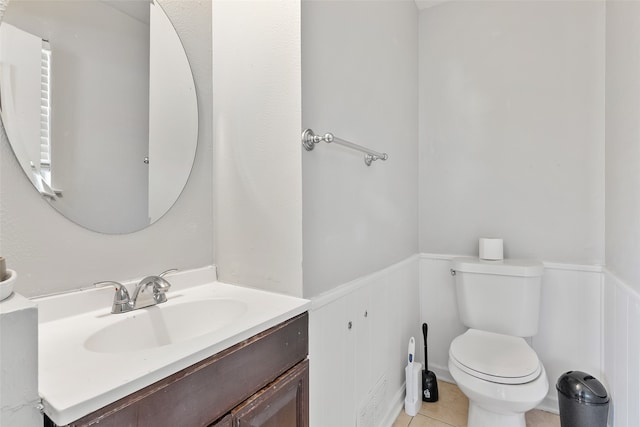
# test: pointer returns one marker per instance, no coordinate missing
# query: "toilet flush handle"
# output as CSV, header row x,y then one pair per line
x,y
452,271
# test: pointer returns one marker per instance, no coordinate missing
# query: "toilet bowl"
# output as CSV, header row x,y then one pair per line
x,y
500,374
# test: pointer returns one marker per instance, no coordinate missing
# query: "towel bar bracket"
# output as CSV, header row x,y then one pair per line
x,y
309,139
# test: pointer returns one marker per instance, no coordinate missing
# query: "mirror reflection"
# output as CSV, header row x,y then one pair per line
x,y
99,105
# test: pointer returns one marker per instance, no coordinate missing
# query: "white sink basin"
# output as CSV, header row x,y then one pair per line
x,y
162,325
89,358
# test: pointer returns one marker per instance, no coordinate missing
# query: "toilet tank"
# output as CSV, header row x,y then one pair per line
x,y
499,296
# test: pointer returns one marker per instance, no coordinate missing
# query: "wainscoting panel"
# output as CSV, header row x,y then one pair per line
x,y
359,334
570,329
633,391
621,349
589,321
439,310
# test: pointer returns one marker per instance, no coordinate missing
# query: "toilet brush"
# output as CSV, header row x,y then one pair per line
x,y
429,381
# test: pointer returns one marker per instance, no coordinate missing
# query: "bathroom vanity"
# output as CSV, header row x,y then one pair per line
x,y
214,354
262,381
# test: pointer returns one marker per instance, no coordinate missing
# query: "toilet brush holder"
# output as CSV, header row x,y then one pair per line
x,y
413,401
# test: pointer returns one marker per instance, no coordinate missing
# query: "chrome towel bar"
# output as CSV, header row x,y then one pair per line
x,y
309,139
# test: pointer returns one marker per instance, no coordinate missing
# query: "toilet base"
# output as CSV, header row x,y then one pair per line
x,y
480,417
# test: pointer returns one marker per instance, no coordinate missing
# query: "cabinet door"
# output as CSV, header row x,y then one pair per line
x,y
283,403
225,422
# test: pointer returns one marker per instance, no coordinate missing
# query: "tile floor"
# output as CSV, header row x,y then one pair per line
x,y
451,411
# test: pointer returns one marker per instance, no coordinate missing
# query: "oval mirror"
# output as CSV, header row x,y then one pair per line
x,y
99,105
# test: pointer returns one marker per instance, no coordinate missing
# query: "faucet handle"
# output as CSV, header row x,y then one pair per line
x,y
161,285
164,273
121,300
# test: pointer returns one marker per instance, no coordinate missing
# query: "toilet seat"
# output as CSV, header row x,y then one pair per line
x,y
495,357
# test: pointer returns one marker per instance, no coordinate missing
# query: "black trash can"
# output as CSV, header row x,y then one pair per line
x,y
583,400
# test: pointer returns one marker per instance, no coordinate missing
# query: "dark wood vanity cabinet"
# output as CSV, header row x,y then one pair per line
x,y
225,422
285,402
260,382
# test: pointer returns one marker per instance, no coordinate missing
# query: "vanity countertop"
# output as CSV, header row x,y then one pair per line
x,y
77,378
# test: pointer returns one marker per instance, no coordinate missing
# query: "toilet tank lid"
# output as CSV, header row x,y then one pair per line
x,y
506,267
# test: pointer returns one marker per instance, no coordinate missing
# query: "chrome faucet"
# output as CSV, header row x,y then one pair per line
x,y
142,296
159,286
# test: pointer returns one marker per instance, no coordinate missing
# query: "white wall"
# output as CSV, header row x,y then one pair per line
x,y
622,277
512,129
512,115
623,141
257,112
52,254
359,81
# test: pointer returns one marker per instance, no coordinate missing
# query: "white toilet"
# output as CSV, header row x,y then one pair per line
x,y
491,363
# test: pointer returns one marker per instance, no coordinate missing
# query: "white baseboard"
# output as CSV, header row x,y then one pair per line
x,y
395,406
549,404
442,373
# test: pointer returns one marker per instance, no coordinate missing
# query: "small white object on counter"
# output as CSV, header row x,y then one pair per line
x,y
6,286
490,249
